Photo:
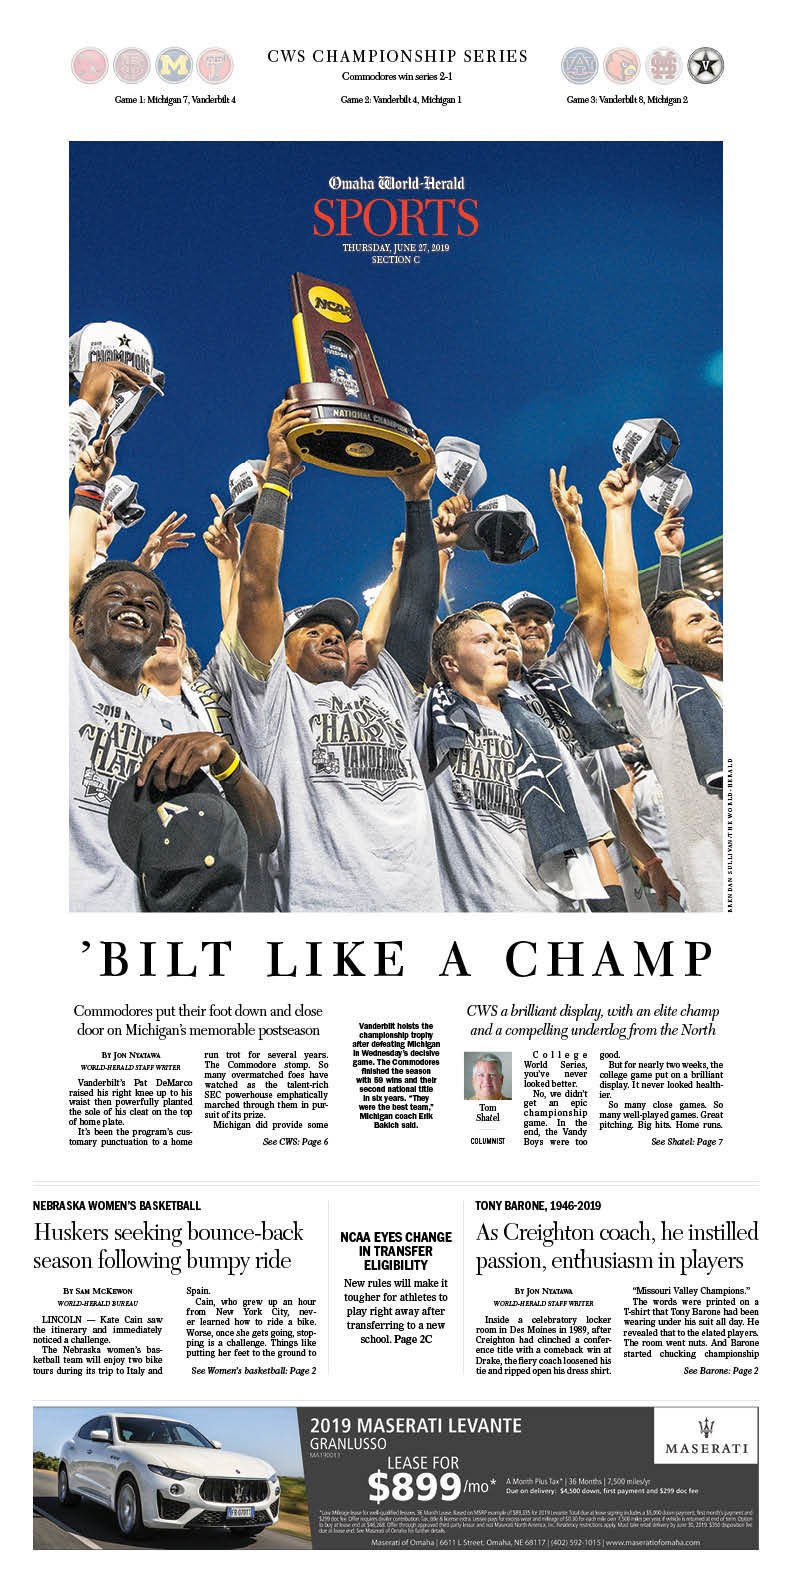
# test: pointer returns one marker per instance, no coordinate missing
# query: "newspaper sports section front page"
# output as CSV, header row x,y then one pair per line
x,y
379,1229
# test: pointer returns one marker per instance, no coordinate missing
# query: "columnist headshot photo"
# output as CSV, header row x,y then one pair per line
x,y
488,1075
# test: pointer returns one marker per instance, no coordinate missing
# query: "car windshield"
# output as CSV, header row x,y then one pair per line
x,y
160,1432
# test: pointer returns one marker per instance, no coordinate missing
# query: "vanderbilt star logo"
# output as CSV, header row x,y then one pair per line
x,y
705,65
540,768
123,340
553,684
167,811
685,690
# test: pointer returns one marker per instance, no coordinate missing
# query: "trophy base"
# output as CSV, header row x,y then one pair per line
x,y
348,437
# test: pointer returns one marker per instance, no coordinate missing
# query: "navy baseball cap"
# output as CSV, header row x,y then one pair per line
x,y
338,611
525,600
187,846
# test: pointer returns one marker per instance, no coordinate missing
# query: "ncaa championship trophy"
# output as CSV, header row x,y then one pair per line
x,y
353,427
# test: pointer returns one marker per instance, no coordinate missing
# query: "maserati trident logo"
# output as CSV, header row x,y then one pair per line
x,y
238,1491
693,1435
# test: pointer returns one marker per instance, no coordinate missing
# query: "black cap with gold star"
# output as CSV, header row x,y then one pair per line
x,y
187,847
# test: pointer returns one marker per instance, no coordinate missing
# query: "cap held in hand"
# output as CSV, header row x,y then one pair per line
x,y
187,846
502,527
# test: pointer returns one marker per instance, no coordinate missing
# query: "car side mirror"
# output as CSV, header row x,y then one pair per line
x,y
218,1446
100,1435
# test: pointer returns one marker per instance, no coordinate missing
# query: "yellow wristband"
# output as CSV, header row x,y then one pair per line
x,y
279,488
222,775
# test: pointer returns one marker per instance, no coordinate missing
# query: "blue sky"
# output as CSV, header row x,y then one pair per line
x,y
269,1433
590,294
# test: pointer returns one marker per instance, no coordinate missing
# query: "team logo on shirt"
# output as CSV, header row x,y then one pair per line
x,y
483,779
561,729
360,743
114,751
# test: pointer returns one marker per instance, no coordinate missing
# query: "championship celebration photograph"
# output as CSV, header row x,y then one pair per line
x,y
395,546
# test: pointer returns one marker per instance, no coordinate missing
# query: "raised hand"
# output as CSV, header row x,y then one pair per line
x,y
415,482
164,538
222,536
619,487
670,535
566,498
95,463
281,425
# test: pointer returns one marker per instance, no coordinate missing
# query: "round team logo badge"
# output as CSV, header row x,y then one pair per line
x,y
706,65
622,65
89,65
131,65
663,65
174,65
215,65
580,66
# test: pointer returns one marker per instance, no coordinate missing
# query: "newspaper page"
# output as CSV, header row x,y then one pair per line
x,y
388,1192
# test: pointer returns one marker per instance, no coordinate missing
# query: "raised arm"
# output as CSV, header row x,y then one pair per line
x,y
410,637
630,633
95,401
592,612
670,541
92,470
223,542
378,622
260,608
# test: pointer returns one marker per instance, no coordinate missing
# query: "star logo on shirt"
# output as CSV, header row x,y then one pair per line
x,y
123,340
539,769
551,682
685,690
705,64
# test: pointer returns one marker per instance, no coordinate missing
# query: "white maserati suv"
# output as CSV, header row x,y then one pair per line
x,y
156,1473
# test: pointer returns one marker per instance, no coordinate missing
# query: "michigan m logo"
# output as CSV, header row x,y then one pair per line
x,y
174,63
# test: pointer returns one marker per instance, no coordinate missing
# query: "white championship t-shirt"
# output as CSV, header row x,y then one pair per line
x,y
110,733
694,817
341,767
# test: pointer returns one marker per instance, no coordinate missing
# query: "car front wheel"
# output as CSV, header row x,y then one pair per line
x,y
127,1510
66,1496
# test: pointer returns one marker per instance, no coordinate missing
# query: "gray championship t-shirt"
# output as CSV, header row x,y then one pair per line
x,y
649,815
110,733
486,863
694,817
341,767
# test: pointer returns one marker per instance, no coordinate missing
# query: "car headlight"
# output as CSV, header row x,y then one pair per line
x,y
168,1473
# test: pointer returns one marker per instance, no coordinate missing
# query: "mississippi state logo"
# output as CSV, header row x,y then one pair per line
x,y
89,66
174,64
663,65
